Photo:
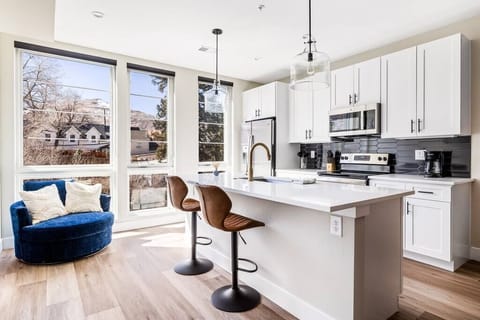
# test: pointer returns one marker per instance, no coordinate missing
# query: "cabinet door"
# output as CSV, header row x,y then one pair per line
x,y
399,94
342,87
268,100
250,104
439,86
367,82
427,228
320,109
300,115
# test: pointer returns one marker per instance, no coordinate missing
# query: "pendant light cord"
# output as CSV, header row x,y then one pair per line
x,y
216,62
310,57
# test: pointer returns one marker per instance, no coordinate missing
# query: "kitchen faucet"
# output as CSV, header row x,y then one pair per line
x,y
250,159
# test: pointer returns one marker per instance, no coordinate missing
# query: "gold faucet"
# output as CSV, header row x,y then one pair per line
x,y
250,159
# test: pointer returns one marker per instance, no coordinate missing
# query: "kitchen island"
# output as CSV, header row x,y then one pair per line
x,y
352,272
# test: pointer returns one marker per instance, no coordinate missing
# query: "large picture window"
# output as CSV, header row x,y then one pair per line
x,y
211,128
66,101
149,118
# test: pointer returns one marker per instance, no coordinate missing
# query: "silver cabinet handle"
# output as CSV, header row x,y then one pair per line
x,y
419,127
310,134
426,192
411,125
355,98
306,134
256,112
408,208
259,112
349,99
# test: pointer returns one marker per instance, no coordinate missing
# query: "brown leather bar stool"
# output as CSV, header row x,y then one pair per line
x,y
178,191
216,206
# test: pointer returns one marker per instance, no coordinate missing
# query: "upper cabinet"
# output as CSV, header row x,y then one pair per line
x,y
443,87
426,90
356,84
261,102
399,94
309,116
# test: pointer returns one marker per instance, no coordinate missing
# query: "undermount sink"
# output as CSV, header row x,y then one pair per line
x,y
268,179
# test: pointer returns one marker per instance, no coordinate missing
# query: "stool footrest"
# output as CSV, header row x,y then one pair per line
x,y
248,270
208,241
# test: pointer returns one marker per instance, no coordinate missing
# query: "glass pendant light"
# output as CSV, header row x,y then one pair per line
x,y
215,97
310,69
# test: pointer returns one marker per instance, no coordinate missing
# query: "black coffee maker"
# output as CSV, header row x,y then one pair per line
x,y
438,164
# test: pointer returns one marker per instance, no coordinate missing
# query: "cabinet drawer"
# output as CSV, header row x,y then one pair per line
x,y
430,192
386,184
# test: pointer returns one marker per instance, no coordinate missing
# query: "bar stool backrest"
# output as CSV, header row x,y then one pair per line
x,y
215,204
177,190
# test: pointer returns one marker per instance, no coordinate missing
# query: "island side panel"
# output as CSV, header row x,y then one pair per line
x,y
302,267
379,250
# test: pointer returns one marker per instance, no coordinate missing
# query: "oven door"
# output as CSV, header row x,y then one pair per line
x,y
355,121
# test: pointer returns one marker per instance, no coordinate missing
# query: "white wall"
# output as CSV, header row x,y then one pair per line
x,y
39,30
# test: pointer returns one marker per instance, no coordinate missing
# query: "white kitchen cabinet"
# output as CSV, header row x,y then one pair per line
x,y
261,102
426,90
309,116
443,87
427,227
320,119
342,87
357,84
436,218
399,94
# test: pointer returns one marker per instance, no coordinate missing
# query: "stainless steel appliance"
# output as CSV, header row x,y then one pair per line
x,y
254,131
355,121
356,167
438,164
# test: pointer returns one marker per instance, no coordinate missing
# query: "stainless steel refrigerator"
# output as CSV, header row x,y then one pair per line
x,y
274,133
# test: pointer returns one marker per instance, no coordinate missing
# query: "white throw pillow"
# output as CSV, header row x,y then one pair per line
x,y
44,203
82,197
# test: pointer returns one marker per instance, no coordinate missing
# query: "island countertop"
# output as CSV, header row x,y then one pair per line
x,y
321,196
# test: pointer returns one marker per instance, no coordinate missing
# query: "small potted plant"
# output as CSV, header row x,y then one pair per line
x,y
215,166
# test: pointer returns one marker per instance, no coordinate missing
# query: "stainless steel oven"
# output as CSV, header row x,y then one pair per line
x,y
355,121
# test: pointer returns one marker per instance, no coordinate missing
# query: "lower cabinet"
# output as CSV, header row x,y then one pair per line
x,y
427,227
436,222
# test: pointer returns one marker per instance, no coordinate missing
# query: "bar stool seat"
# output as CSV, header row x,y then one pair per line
x,y
216,206
178,191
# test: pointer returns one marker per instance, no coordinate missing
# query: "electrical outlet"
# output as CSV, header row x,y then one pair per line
x,y
312,154
420,154
336,226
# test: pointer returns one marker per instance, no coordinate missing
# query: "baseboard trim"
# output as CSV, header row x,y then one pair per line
x,y
147,222
293,304
6,243
475,253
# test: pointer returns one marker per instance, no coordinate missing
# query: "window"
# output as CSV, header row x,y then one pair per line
x,y
148,191
149,118
48,137
93,139
66,97
211,128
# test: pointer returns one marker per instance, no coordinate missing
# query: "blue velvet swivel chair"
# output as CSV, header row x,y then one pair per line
x,y
60,239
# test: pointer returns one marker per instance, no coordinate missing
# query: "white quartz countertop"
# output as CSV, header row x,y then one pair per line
x,y
322,196
410,178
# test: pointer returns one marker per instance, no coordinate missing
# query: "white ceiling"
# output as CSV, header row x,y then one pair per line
x,y
172,31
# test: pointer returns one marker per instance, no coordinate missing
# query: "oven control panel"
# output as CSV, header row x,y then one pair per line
x,y
365,158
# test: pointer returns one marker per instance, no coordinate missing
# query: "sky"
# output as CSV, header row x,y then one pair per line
x,y
87,76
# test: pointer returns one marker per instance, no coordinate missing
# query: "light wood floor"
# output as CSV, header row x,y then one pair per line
x,y
133,279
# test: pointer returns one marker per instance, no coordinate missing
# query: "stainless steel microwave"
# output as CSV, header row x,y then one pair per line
x,y
355,121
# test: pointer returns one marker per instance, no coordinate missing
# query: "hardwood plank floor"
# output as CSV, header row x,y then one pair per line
x,y
133,279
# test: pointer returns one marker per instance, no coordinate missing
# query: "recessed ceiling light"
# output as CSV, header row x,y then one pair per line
x,y
257,58
98,14
206,49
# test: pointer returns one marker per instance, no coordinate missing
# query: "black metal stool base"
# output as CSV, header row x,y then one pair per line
x,y
193,266
243,298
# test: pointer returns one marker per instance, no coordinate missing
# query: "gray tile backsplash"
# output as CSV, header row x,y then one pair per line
x,y
404,151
